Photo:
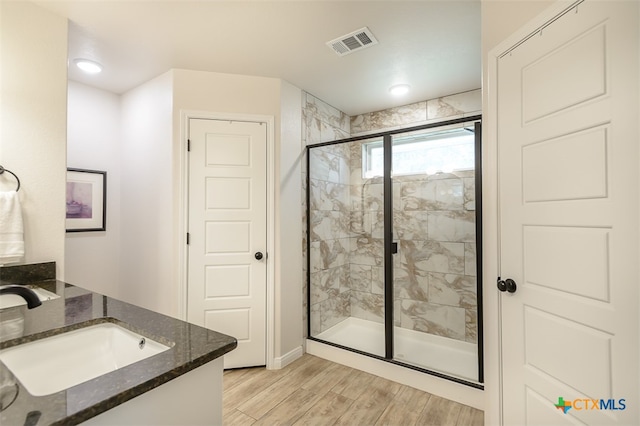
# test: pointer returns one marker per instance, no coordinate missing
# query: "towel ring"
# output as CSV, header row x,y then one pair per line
x,y
2,170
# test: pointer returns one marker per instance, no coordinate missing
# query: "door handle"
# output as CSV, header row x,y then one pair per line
x,y
258,255
394,248
507,285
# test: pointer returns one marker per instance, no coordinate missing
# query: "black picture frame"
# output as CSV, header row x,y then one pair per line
x,y
86,200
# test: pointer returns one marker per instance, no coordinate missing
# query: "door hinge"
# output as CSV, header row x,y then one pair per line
x,y
188,145
188,238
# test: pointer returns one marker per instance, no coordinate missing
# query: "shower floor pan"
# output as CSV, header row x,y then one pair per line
x,y
449,356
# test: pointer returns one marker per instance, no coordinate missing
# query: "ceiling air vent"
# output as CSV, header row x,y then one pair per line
x,y
356,40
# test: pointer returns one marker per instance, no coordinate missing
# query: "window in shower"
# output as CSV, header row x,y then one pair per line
x,y
392,235
422,152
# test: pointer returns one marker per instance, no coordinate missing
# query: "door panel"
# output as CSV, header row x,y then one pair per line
x,y
573,178
546,265
583,65
227,226
568,160
228,193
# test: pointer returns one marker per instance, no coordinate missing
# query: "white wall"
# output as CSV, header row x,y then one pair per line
x,y
212,92
238,94
147,263
33,109
289,227
92,259
136,138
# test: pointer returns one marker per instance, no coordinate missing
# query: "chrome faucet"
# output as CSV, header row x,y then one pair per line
x,y
30,296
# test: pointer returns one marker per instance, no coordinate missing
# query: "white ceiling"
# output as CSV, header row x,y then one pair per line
x,y
434,46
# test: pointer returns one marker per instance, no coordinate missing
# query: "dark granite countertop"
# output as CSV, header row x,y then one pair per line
x,y
191,347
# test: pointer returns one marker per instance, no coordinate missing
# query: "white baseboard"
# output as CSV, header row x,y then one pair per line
x,y
288,358
448,389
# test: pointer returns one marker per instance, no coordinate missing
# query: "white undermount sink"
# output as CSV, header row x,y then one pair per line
x,y
56,363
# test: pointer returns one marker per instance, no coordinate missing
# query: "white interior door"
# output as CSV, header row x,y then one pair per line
x,y
227,272
568,195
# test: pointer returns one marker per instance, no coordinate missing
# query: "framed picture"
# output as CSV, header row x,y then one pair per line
x,y
86,200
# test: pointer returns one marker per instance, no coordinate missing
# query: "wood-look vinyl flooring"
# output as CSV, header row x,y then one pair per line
x,y
314,391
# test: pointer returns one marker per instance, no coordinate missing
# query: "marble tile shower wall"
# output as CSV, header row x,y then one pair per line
x,y
434,269
330,301
330,236
434,224
444,108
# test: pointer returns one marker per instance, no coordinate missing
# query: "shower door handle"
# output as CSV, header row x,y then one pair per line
x,y
394,248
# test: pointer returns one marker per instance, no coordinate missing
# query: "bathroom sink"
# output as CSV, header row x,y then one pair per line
x,y
56,363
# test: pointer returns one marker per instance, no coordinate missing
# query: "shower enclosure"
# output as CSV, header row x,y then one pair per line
x,y
393,223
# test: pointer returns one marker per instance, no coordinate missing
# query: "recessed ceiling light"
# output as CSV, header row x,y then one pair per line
x,y
399,89
88,66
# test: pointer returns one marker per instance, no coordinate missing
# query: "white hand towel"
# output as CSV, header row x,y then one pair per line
x,y
11,228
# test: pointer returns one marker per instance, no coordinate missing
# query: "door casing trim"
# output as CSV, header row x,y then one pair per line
x,y
492,314
269,121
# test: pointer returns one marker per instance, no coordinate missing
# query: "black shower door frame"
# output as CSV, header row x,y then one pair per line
x,y
387,138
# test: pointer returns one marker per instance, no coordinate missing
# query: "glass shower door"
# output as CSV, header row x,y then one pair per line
x,y
392,227
434,270
346,250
